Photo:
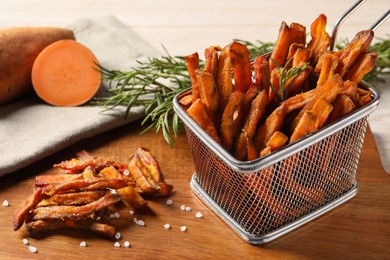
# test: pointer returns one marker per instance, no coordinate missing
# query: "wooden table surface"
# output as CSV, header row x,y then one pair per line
x,y
358,229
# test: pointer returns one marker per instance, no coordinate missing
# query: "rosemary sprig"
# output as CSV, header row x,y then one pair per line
x,y
284,76
152,84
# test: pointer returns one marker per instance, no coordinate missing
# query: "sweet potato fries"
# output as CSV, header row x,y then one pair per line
x,y
254,108
86,190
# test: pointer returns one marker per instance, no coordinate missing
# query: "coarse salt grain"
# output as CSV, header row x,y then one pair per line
x,y
117,235
126,244
117,215
131,212
117,244
198,214
25,241
167,226
5,203
135,219
188,208
140,223
183,207
32,249
83,244
169,202
126,172
183,228
113,191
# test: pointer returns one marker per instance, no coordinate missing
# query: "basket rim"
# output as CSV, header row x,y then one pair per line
x,y
286,151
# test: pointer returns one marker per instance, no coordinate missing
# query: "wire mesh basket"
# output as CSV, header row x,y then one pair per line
x,y
268,197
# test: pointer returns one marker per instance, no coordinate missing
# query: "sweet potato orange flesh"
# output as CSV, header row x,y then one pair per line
x,y
19,48
65,74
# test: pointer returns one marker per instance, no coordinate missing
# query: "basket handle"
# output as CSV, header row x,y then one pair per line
x,y
341,20
378,23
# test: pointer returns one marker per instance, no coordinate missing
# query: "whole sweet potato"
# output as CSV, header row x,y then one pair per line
x,y
19,48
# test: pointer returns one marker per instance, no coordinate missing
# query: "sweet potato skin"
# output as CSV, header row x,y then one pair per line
x,y
19,48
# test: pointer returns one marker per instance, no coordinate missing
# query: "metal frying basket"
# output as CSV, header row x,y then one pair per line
x,y
270,196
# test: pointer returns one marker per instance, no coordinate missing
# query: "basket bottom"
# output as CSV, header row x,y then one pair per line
x,y
257,239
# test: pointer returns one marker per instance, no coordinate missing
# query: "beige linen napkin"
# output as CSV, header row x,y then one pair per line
x,y
31,130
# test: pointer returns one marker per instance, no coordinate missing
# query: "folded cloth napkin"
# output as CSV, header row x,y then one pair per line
x,y
31,130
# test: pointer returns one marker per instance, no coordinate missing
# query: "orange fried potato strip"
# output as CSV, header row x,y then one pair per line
x,y
256,113
192,62
279,54
39,226
298,33
224,77
209,94
241,64
342,106
229,116
354,49
198,112
211,55
329,65
364,64
320,39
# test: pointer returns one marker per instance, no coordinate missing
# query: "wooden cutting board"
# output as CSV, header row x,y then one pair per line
x,y
360,228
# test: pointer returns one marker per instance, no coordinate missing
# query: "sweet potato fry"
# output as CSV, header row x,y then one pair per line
x,y
149,163
350,89
141,175
363,97
186,101
279,54
241,64
198,112
42,180
277,141
110,172
292,49
364,64
209,94
192,62
354,49
321,109
305,126
230,114
73,198
320,39
272,124
75,212
256,113
83,160
329,63
28,204
85,185
39,226
130,195
224,77
298,33
261,70
211,54
342,106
